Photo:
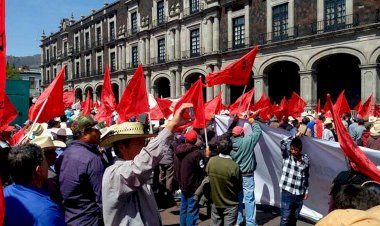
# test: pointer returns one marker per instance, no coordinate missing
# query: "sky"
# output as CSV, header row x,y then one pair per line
x,y
26,19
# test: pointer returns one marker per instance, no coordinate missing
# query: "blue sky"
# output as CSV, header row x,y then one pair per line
x,y
26,19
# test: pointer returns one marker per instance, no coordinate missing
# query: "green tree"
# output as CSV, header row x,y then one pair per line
x,y
12,72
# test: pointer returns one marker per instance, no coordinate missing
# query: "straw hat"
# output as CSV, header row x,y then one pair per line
x,y
37,129
327,121
375,130
46,143
126,130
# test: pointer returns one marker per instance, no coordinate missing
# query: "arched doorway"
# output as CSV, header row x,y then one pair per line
x,y
79,94
115,90
237,91
90,90
162,87
283,79
191,79
98,92
336,73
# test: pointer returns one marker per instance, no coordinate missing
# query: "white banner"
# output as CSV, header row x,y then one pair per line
x,y
327,160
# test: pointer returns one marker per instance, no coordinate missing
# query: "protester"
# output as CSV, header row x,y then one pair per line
x,y
26,203
327,131
366,133
126,196
81,173
352,126
226,183
243,154
310,125
296,125
303,130
358,132
318,127
294,181
374,139
5,147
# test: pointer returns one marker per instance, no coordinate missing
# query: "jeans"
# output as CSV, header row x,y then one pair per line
x,y
247,196
223,216
291,206
189,213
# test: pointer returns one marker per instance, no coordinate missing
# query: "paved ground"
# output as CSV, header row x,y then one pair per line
x,y
266,215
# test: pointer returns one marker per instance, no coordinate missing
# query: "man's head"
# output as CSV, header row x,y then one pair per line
x,y
360,121
191,136
296,123
27,165
238,131
357,197
224,147
49,146
296,146
85,128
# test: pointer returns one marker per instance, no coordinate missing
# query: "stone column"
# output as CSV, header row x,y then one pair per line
x,y
172,84
209,90
121,88
229,27
142,51
147,51
128,54
177,44
148,82
208,47
217,88
123,58
170,47
118,52
260,83
183,88
370,82
177,83
308,89
215,41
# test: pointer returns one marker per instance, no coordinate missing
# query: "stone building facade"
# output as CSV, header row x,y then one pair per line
x,y
311,47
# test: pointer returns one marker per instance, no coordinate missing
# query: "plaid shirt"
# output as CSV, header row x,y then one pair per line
x,y
295,174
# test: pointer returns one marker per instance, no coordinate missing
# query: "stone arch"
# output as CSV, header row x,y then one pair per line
x,y
275,59
158,76
193,71
375,56
162,85
79,93
335,50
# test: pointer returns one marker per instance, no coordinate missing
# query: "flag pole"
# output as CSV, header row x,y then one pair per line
x,y
206,140
35,121
150,124
241,100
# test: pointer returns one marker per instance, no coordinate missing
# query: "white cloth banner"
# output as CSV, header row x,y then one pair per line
x,y
327,160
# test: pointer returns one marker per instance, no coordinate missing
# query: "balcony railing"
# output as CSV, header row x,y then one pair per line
x,y
159,22
193,10
237,44
133,64
193,53
111,39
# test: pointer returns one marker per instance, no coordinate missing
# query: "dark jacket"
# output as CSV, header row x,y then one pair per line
x,y
373,142
188,167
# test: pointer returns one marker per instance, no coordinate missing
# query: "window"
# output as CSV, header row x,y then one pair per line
x,y
55,72
239,32
160,12
65,49
194,6
47,55
194,42
113,61
280,22
66,72
48,76
32,83
135,57
335,14
88,67
87,40
77,70
112,31
134,22
98,36
54,52
76,44
161,50
100,65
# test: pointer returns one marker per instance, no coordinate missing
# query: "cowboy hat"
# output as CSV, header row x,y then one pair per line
x,y
126,130
37,130
375,130
327,121
46,143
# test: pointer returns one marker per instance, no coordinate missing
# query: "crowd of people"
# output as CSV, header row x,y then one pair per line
x,y
76,171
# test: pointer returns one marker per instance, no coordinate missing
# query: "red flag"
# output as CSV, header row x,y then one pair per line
x,y
351,149
282,110
53,95
245,99
9,113
367,107
107,100
264,105
296,105
214,106
156,113
236,73
164,105
376,111
16,138
341,105
195,96
318,107
3,63
87,104
134,100
68,98
358,107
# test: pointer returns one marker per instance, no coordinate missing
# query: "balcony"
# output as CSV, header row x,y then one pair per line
x,y
97,43
133,31
133,64
192,53
159,60
193,10
159,22
335,24
111,39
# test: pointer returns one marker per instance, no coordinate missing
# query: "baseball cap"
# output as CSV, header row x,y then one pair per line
x,y
84,122
191,136
237,131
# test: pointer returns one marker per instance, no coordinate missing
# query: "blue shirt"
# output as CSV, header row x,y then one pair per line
x,y
28,205
310,125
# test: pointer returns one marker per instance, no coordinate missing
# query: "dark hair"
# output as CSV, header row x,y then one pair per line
x,y
295,122
224,147
161,121
352,196
305,120
321,117
23,160
296,142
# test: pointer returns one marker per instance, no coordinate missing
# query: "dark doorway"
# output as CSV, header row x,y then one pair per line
x,y
78,94
336,73
115,90
191,79
90,90
283,79
237,91
162,87
99,92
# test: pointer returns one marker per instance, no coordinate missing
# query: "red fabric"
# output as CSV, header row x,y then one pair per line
x,y
54,95
134,100
376,111
87,104
341,105
325,109
245,99
358,107
281,110
366,109
265,107
318,128
164,105
214,106
351,149
68,98
156,113
9,113
191,136
107,100
296,105
195,96
30,112
318,107
236,73
3,64
16,138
